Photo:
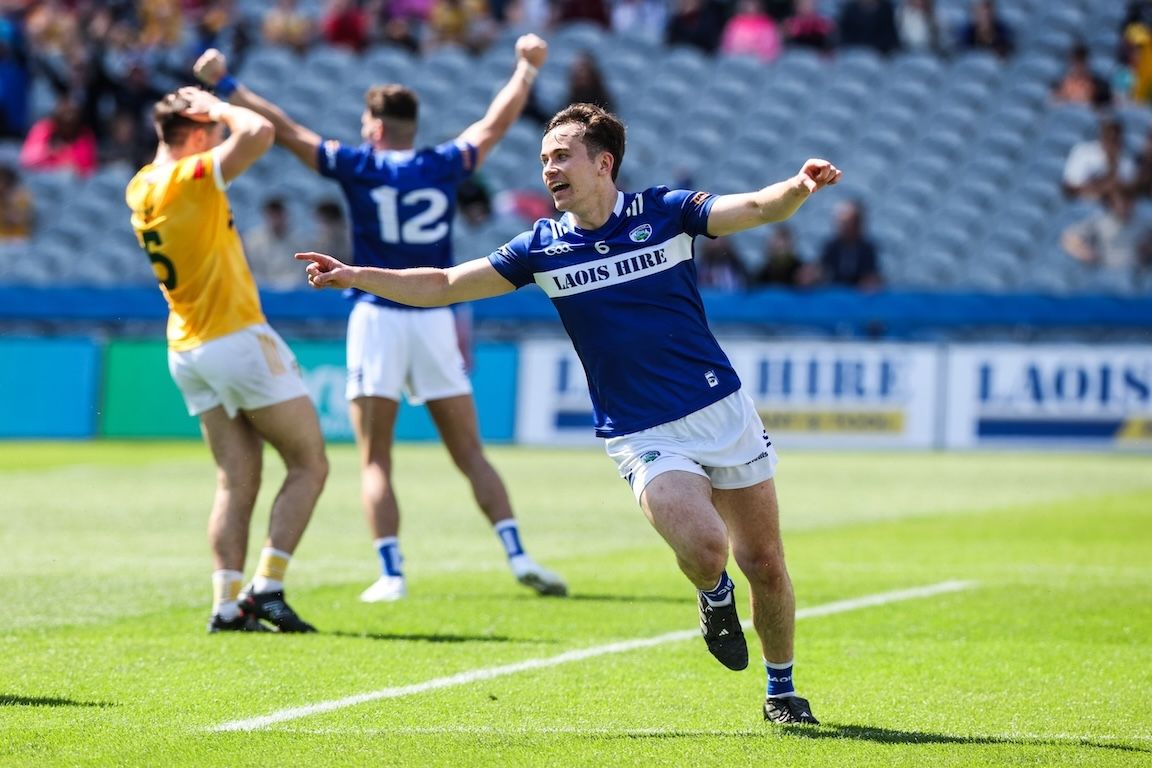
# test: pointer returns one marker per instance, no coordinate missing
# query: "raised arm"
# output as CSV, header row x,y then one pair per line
x,y
416,287
249,135
212,70
505,109
735,213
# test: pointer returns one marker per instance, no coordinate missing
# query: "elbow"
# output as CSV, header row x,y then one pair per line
x,y
263,133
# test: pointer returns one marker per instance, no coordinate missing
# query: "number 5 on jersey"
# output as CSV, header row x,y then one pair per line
x,y
162,266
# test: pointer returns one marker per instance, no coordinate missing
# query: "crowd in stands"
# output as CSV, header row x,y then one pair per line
x,y
107,62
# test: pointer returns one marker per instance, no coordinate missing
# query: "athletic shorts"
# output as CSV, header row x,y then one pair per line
x,y
725,442
251,368
413,352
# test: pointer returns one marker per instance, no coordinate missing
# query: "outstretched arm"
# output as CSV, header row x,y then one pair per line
x,y
212,69
505,109
735,213
416,287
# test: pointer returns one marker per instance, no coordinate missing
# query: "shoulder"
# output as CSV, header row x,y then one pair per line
x,y
664,198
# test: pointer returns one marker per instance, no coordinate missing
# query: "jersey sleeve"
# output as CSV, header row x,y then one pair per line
x,y
690,206
511,260
457,159
335,160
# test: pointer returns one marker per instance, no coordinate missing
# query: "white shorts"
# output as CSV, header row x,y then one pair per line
x,y
413,352
725,442
252,368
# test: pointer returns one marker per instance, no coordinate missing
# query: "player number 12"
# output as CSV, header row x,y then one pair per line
x,y
427,226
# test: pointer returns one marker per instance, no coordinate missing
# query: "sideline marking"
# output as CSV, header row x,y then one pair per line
x,y
475,675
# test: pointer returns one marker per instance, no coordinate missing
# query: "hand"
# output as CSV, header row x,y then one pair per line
x,y
532,49
211,67
817,174
327,272
200,103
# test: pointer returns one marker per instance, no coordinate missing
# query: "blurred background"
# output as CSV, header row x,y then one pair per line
x,y
982,276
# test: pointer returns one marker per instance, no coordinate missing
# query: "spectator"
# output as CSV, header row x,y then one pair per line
x,y
698,23
782,263
1134,80
472,201
331,232
287,26
586,83
587,11
15,81
124,144
345,25
868,24
465,23
719,266
1079,84
1112,238
60,141
16,215
642,19
919,27
161,23
986,31
750,32
270,247
53,28
1094,165
809,28
1142,185
849,257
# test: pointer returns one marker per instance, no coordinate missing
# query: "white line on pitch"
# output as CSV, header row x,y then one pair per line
x,y
489,730
476,675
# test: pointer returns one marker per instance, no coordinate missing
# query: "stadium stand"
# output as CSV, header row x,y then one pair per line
x,y
958,159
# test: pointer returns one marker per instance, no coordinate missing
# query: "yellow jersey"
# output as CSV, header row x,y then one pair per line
x,y
182,219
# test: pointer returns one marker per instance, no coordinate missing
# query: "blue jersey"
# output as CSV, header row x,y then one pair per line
x,y
627,296
401,202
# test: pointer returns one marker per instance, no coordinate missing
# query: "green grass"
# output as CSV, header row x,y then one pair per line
x,y
1047,661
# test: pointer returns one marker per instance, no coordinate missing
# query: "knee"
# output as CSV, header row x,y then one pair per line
x,y
765,569
241,483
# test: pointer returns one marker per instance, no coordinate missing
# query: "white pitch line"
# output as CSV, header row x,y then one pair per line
x,y
475,675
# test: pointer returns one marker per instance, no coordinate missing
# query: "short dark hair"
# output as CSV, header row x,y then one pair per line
x,y
392,102
603,131
171,125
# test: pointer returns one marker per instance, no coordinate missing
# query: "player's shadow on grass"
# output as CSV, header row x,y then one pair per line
x,y
889,736
678,600
426,638
8,700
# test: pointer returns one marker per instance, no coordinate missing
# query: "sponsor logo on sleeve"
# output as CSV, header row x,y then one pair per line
x,y
699,198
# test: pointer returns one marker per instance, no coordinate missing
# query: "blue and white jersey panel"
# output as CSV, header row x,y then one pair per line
x,y
401,202
627,295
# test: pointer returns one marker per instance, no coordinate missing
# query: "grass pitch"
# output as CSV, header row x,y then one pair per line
x,y
104,581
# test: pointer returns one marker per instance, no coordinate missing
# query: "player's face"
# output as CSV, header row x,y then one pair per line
x,y
569,173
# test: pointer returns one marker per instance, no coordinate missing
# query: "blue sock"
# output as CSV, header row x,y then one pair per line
x,y
509,533
779,679
391,561
721,594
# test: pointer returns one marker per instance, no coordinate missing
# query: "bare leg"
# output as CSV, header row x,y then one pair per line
x,y
293,429
455,418
373,421
753,519
679,506
237,451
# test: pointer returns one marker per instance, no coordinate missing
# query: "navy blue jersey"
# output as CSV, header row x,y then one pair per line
x,y
401,202
627,295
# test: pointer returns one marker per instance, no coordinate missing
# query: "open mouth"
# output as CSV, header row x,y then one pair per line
x,y
557,186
